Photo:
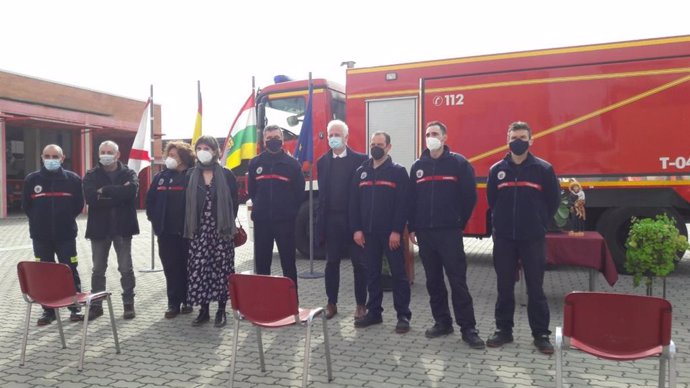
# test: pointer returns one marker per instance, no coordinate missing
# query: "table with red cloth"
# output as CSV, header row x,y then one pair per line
x,y
588,250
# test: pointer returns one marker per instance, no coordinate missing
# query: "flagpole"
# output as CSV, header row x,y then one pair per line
x,y
311,274
153,159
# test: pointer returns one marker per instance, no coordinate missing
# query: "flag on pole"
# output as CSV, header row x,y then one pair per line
x,y
241,141
305,144
140,155
197,124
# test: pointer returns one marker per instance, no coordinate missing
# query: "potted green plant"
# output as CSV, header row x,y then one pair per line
x,y
652,248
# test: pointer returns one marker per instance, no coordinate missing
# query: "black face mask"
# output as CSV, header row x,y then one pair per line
x,y
377,153
518,146
274,145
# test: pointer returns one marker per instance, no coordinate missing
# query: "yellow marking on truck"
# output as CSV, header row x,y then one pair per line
x,y
590,115
523,54
588,77
274,96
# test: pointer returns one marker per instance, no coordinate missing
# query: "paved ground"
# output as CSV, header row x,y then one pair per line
x,y
170,353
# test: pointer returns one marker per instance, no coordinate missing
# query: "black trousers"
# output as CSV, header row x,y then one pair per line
x,y
532,255
66,252
283,233
442,249
339,244
375,246
174,254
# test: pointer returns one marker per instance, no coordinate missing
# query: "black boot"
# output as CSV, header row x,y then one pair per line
x,y
203,316
221,317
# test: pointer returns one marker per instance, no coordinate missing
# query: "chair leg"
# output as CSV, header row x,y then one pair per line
x,y
112,325
559,357
261,349
307,354
672,365
327,347
84,330
233,356
59,324
26,334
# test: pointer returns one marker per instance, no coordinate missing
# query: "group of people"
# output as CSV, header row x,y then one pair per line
x,y
365,206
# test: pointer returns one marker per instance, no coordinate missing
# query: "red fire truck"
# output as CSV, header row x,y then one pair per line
x,y
614,116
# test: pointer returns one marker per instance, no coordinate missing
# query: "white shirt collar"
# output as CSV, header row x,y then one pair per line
x,y
342,155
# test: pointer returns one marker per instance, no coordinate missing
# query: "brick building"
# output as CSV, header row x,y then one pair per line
x,y
35,112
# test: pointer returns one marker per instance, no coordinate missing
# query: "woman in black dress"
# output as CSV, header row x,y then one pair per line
x,y
211,208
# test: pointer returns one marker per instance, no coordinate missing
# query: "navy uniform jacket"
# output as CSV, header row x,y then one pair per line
x,y
378,197
523,198
276,187
323,166
52,200
443,192
165,202
114,211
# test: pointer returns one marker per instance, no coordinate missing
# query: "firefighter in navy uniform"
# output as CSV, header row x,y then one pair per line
x,y
523,195
52,200
276,187
377,218
165,208
443,193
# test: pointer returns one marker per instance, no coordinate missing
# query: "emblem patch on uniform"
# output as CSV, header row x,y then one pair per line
x,y
259,170
38,189
501,175
364,175
420,173
160,181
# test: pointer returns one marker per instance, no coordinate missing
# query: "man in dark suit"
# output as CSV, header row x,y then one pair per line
x,y
335,170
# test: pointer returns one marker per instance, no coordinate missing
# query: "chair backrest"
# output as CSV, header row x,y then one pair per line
x,y
617,326
263,298
44,282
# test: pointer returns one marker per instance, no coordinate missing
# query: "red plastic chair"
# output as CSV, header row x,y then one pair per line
x,y
617,327
271,302
52,285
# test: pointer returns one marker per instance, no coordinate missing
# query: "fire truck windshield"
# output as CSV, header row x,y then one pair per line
x,y
286,113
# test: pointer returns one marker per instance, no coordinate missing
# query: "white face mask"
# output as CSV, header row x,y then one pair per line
x,y
433,143
204,156
106,159
170,163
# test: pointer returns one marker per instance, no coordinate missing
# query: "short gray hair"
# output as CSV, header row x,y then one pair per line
x,y
57,148
109,143
338,123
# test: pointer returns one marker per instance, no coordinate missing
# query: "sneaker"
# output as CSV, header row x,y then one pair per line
x,y
438,330
76,316
543,344
499,338
368,320
46,318
129,311
95,311
186,309
471,337
403,326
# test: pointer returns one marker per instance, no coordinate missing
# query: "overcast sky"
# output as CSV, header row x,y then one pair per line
x,y
122,47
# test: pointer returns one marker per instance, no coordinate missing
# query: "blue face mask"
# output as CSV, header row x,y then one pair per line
x,y
51,164
335,142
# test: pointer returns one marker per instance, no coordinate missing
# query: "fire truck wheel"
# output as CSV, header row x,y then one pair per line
x,y
614,225
302,233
